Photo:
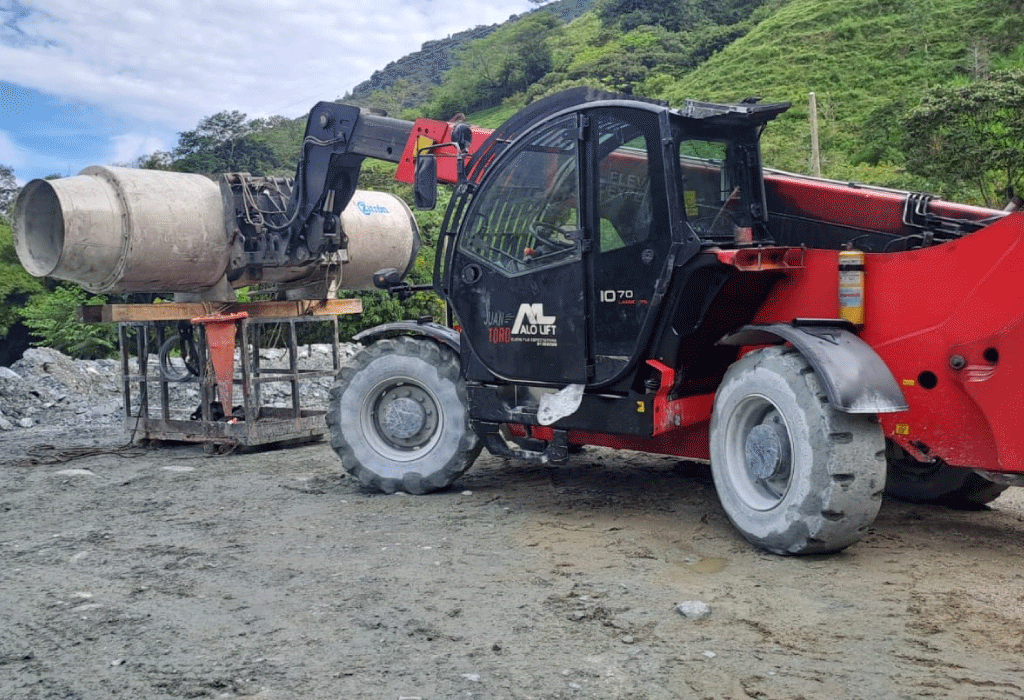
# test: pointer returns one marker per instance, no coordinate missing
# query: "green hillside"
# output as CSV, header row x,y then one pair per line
x,y
867,61
406,83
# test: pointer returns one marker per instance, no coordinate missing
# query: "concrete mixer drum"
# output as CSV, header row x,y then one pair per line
x,y
123,230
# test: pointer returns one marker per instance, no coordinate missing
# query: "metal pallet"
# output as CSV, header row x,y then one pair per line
x,y
152,413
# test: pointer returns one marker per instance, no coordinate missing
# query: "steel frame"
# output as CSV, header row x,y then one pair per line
x,y
150,413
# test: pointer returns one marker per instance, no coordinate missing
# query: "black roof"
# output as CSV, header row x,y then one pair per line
x,y
740,114
743,114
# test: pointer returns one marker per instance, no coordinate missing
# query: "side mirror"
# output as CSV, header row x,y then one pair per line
x,y
425,182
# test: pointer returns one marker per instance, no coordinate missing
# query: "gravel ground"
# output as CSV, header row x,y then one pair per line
x,y
164,572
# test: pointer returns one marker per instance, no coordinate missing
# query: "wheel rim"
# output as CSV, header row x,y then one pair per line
x,y
758,453
401,419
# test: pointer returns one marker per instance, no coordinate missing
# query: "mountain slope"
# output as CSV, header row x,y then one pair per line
x,y
866,60
407,82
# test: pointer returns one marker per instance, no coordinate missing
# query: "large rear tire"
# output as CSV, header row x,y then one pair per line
x,y
398,416
794,475
936,482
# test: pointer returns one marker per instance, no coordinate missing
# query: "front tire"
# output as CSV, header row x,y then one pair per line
x,y
398,417
794,474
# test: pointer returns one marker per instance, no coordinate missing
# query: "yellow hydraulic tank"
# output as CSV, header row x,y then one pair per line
x,y
851,286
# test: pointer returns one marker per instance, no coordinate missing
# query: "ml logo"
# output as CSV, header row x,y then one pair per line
x,y
531,320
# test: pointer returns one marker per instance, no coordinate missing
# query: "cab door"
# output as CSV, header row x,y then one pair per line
x,y
630,254
517,277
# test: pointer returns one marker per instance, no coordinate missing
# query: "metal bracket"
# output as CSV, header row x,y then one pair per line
x,y
498,441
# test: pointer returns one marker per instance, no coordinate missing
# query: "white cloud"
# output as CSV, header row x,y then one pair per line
x,y
128,147
109,81
10,153
173,63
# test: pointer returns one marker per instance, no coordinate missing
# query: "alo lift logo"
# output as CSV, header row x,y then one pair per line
x,y
531,321
531,325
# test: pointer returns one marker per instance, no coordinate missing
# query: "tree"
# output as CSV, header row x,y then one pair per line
x,y
630,14
970,136
497,66
17,288
227,142
674,15
394,99
157,160
8,189
223,142
223,129
16,285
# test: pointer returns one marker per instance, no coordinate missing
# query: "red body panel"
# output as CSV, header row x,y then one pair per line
x,y
436,132
853,205
958,300
690,441
923,309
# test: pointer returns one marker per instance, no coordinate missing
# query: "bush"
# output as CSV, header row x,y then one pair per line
x,y
52,319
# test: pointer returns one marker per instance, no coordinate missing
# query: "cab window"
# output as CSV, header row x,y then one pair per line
x,y
528,217
712,198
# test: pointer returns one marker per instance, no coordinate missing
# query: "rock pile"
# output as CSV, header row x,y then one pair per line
x,y
46,387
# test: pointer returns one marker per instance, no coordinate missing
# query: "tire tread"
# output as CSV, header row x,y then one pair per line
x,y
840,503
445,364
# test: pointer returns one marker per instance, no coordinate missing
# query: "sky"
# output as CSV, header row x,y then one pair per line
x,y
97,82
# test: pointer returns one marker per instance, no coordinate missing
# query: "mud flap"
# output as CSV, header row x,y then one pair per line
x,y
423,327
851,372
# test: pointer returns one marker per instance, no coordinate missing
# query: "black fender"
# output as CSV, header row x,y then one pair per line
x,y
855,378
435,331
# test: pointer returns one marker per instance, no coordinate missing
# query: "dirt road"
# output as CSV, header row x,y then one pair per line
x,y
165,573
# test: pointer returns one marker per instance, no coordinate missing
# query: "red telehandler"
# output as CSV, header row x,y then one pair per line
x,y
627,274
